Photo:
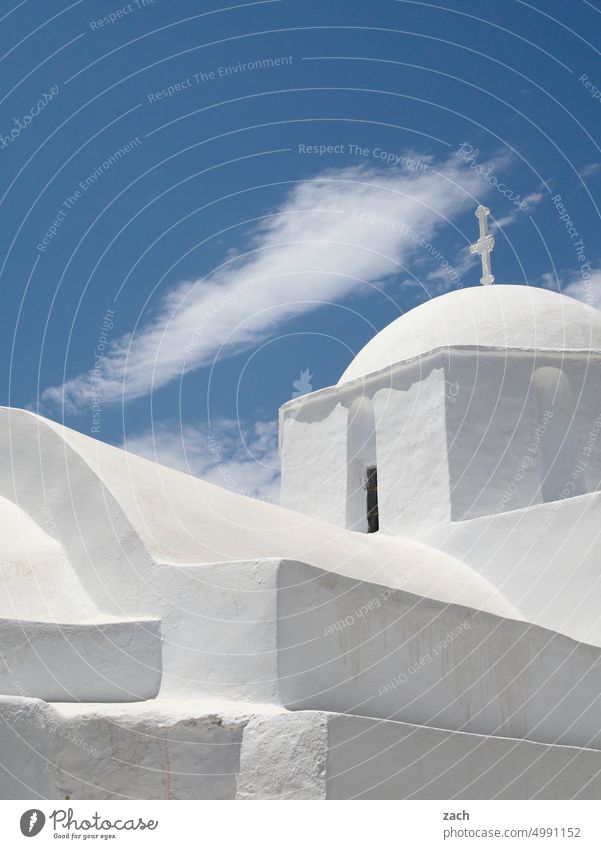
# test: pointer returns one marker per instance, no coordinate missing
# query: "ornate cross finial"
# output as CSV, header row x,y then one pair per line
x,y
484,245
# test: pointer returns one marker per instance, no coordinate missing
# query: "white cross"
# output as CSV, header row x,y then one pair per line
x,y
484,245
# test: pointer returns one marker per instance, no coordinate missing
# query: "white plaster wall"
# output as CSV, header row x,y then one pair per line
x,y
151,751
491,422
361,453
314,462
461,433
109,508
364,650
218,628
584,374
158,754
221,623
556,404
38,581
544,558
392,760
25,770
101,662
505,452
413,480
284,756
42,474
176,518
220,636
410,443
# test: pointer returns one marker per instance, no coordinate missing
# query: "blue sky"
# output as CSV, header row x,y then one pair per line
x,y
207,209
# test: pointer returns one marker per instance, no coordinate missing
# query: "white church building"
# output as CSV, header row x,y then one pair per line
x,y
468,421
476,403
420,618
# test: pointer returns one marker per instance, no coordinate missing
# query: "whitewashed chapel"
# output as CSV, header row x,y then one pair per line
x,y
420,618
476,403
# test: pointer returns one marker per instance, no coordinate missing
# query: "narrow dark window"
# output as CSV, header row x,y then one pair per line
x,y
373,521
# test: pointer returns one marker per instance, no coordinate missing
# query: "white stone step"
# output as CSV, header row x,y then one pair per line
x,y
108,661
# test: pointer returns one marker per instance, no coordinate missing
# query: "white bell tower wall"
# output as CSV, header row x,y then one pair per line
x,y
524,429
394,421
455,434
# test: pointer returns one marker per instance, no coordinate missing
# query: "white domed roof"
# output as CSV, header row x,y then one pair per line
x,y
493,316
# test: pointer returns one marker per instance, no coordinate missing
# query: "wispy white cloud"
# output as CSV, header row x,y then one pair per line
x,y
241,459
326,241
589,170
584,288
517,215
587,290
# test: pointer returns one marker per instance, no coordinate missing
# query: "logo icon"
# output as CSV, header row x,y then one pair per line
x,y
32,822
303,384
